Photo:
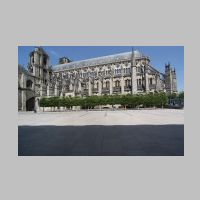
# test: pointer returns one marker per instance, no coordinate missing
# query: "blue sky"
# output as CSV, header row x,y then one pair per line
x,y
159,55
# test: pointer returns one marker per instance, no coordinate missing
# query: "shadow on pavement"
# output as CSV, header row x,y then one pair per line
x,y
97,140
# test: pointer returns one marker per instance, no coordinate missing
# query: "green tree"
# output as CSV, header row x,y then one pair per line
x,y
124,101
172,96
163,99
181,95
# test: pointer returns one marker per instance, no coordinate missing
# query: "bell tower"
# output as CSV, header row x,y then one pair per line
x,y
38,60
170,79
40,69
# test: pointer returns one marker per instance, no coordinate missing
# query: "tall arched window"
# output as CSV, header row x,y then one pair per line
x,y
126,83
29,84
117,83
107,84
151,81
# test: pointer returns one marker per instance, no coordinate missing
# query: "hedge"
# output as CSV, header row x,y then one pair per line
x,y
131,101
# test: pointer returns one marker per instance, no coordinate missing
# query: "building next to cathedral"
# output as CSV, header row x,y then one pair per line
x,y
124,73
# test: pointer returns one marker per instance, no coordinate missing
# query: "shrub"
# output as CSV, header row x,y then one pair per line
x,y
147,100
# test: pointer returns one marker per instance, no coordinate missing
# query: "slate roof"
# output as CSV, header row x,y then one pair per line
x,y
99,61
153,69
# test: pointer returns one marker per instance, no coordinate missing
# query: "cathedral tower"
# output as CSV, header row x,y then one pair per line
x,y
38,62
170,79
40,69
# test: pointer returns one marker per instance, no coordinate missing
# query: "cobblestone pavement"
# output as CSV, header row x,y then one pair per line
x,y
102,133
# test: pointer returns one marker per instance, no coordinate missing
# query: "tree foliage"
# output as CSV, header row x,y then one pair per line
x,y
181,95
130,101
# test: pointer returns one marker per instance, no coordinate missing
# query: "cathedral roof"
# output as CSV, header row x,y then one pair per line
x,y
153,69
99,61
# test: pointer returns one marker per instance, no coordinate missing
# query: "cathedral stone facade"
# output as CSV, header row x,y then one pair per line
x,y
124,73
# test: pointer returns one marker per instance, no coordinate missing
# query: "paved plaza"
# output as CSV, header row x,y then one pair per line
x,y
102,133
